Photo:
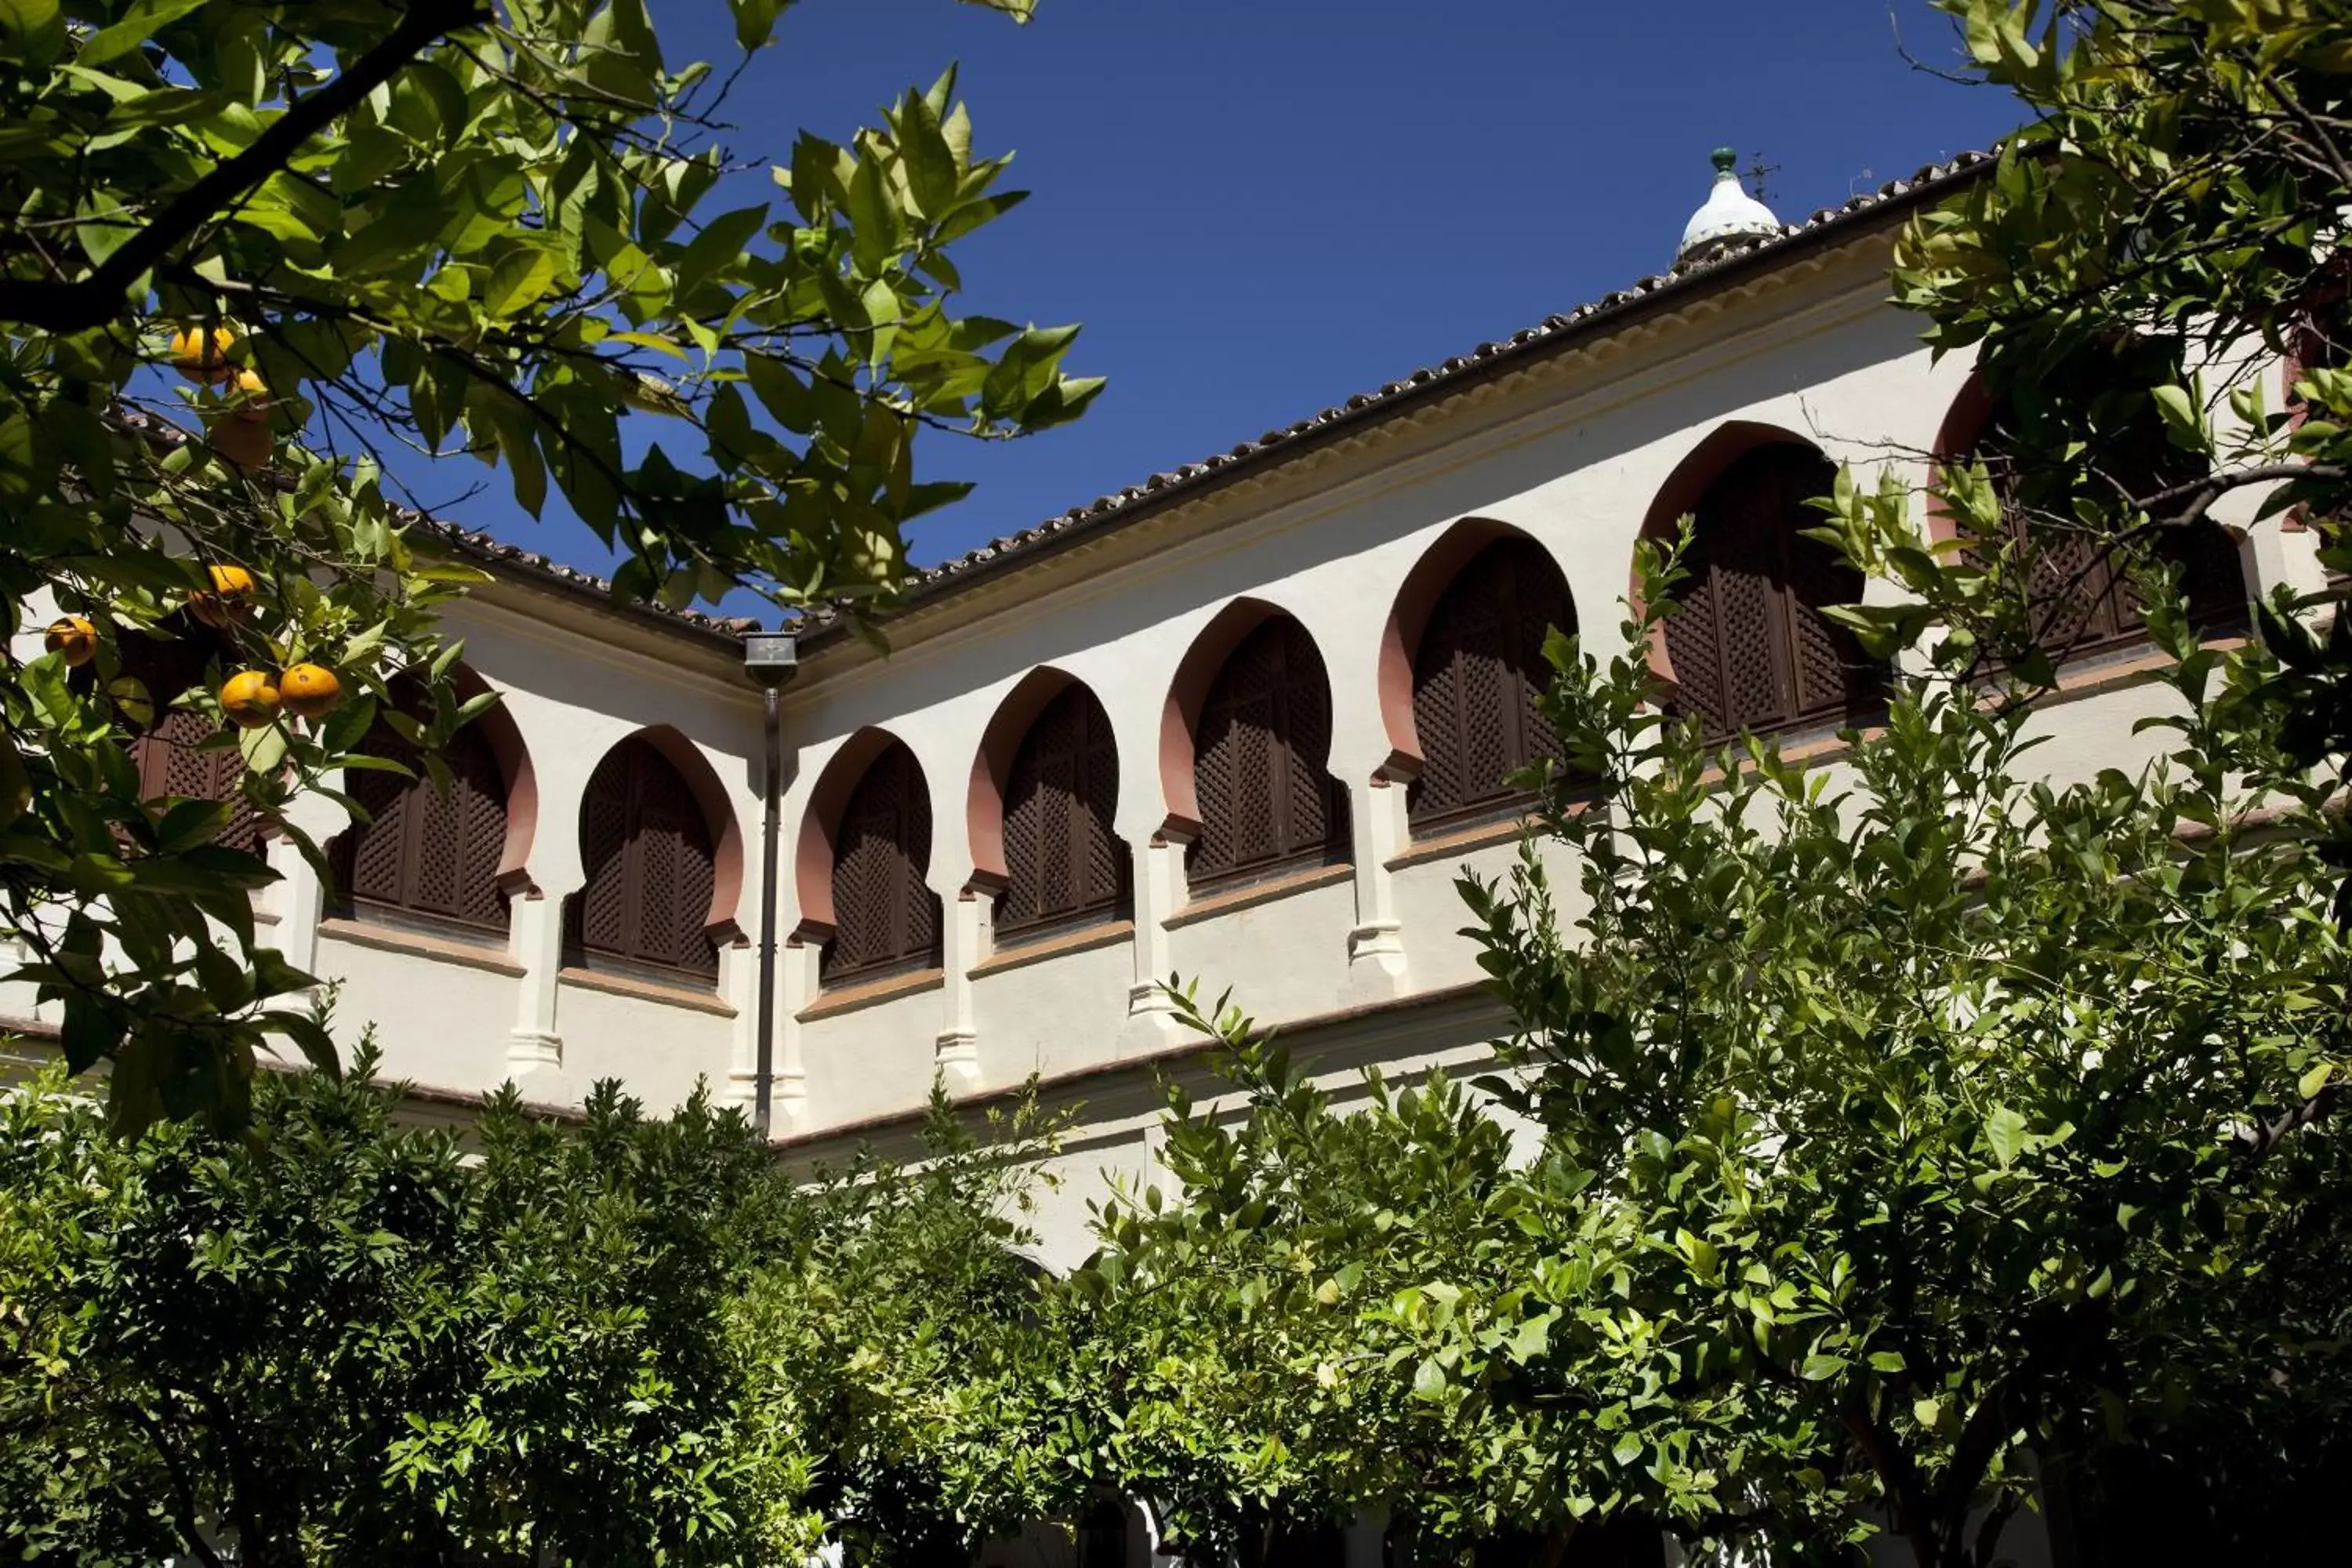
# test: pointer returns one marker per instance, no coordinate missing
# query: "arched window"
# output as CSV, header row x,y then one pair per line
x,y
2084,602
172,759
1750,647
1063,866
645,847
1479,679
168,746
427,854
1260,756
885,919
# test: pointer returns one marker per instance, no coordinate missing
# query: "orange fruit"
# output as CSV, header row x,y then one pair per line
x,y
201,353
222,606
256,391
244,442
75,637
250,698
309,690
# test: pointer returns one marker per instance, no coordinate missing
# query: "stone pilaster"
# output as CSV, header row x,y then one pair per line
x,y
1377,969
535,941
1159,892
964,942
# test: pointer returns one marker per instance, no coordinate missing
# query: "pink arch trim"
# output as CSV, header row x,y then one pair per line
x,y
1180,716
1409,618
1964,426
718,815
991,767
821,827
1680,495
499,732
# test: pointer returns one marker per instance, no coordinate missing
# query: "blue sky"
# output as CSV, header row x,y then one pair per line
x,y
1257,207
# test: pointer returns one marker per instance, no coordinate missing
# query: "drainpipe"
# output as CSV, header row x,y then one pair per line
x,y
769,658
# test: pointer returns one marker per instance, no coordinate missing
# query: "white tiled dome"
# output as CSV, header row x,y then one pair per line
x,y
1729,213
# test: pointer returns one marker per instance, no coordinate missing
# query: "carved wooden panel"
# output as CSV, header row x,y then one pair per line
x,y
170,763
427,852
885,917
1260,756
1478,681
2083,596
1750,647
1063,863
647,850
170,752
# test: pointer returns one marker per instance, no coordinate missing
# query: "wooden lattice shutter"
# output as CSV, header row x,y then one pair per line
x,y
425,853
884,917
1063,863
1478,681
1260,760
1750,646
166,752
646,849
2083,599
170,763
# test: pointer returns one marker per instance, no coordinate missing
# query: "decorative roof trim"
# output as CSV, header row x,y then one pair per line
x,y
1720,272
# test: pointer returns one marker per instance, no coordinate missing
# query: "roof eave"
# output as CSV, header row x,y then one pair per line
x,y
1616,313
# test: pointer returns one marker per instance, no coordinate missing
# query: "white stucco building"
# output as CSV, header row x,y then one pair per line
x,y
1245,721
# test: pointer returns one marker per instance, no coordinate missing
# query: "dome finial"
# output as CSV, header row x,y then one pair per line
x,y
1729,216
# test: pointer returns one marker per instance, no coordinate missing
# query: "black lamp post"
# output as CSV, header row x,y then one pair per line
x,y
769,658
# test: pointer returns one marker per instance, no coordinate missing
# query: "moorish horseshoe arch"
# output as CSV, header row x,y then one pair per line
x,y
423,854
1202,681
1095,862
2215,558
1495,591
711,803
826,822
1751,648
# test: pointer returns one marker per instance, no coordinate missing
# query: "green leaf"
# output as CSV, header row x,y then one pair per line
x,y
2006,1135
1428,1380
318,1047
2182,421
521,279
107,224
90,1031
755,21
164,106
720,244
38,24
140,23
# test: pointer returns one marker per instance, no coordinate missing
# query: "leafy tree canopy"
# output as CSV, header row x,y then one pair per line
x,y
254,253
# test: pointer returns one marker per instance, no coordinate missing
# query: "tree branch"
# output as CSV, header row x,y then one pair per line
x,y
2269,1135
81,303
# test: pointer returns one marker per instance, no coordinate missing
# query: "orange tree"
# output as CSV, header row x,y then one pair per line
x,y
472,229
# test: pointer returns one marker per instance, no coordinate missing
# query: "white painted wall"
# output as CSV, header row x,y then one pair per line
x,y
1574,458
